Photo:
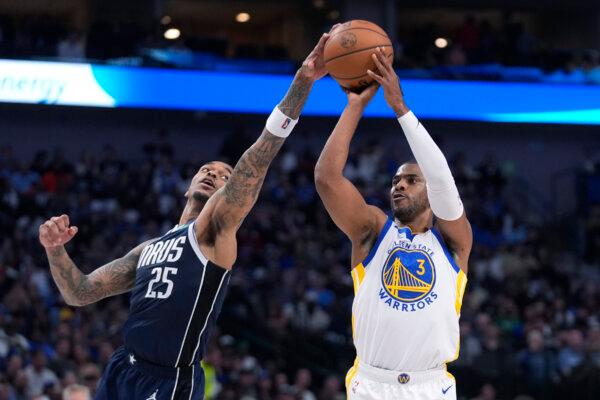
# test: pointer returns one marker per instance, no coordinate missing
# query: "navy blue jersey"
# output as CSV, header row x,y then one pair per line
x,y
176,300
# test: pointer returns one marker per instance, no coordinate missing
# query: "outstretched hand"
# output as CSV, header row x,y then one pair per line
x,y
56,232
386,77
313,66
363,98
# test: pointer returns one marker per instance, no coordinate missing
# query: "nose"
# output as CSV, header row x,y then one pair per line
x,y
212,174
400,185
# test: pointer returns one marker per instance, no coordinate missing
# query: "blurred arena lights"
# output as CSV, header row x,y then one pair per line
x,y
441,43
172,33
242,17
165,20
333,15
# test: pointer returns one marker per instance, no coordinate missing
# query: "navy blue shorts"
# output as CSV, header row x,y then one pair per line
x,y
127,377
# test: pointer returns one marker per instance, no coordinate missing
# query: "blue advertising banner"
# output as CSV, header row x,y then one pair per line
x,y
116,86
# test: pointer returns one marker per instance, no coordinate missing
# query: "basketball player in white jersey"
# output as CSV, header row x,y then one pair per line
x,y
409,271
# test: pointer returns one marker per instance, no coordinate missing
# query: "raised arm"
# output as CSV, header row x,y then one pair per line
x,y
79,289
228,207
442,192
344,203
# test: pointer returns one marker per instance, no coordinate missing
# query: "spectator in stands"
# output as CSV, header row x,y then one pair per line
x,y
71,47
38,375
76,392
292,294
538,366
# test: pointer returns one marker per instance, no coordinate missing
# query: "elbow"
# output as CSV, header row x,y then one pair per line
x,y
321,181
73,302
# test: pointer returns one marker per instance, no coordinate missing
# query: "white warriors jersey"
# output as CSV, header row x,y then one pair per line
x,y
408,294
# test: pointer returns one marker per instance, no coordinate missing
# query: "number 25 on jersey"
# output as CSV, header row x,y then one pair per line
x,y
161,275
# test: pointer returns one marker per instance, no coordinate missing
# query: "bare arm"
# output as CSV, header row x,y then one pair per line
x,y
233,202
238,196
77,288
341,198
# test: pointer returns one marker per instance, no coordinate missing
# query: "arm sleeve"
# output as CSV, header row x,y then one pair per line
x,y
443,195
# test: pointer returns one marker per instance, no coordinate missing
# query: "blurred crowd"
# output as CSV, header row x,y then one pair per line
x,y
510,43
430,50
529,324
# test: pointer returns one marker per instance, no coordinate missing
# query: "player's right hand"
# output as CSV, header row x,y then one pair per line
x,y
56,231
313,66
363,98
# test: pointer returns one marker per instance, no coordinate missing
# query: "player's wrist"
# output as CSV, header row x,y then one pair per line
x,y
400,109
280,124
356,104
305,73
55,251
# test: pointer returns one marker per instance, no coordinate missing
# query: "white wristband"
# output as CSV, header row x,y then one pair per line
x,y
280,124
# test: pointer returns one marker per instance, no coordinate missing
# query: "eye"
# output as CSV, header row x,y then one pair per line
x,y
204,169
412,181
225,177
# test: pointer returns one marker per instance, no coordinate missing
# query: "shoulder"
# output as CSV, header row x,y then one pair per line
x,y
457,255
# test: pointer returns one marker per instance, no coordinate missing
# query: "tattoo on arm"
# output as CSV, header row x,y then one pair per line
x,y
293,102
249,173
241,191
79,289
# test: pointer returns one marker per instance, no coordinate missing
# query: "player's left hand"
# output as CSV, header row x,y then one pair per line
x,y
313,66
386,77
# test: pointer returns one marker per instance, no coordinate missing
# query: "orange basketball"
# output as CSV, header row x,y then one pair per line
x,y
348,52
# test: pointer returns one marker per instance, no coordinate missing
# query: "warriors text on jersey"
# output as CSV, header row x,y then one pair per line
x,y
175,302
408,294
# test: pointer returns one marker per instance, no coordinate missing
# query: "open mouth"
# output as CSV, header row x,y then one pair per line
x,y
207,183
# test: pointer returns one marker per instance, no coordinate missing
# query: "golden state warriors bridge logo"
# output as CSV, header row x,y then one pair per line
x,y
408,276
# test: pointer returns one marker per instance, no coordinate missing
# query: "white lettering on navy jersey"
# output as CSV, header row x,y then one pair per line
x,y
162,251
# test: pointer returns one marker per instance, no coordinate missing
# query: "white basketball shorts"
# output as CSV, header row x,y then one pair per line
x,y
370,383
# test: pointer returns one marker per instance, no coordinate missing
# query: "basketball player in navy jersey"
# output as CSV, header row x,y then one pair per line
x,y
178,281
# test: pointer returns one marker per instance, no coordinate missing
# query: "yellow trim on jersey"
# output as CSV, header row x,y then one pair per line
x,y
449,374
461,284
358,274
351,374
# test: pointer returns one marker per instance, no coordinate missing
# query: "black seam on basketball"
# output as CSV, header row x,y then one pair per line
x,y
357,51
366,29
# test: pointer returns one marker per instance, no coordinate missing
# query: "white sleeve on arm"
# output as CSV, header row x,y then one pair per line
x,y
442,192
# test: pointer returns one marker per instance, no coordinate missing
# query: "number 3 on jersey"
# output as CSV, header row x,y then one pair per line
x,y
162,275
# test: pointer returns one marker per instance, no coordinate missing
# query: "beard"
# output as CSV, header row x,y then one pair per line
x,y
199,196
408,213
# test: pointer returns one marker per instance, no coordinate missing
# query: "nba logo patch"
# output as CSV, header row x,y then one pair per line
x,y
286,123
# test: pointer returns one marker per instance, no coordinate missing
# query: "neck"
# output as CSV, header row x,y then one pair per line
x,y
420,223
191,211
